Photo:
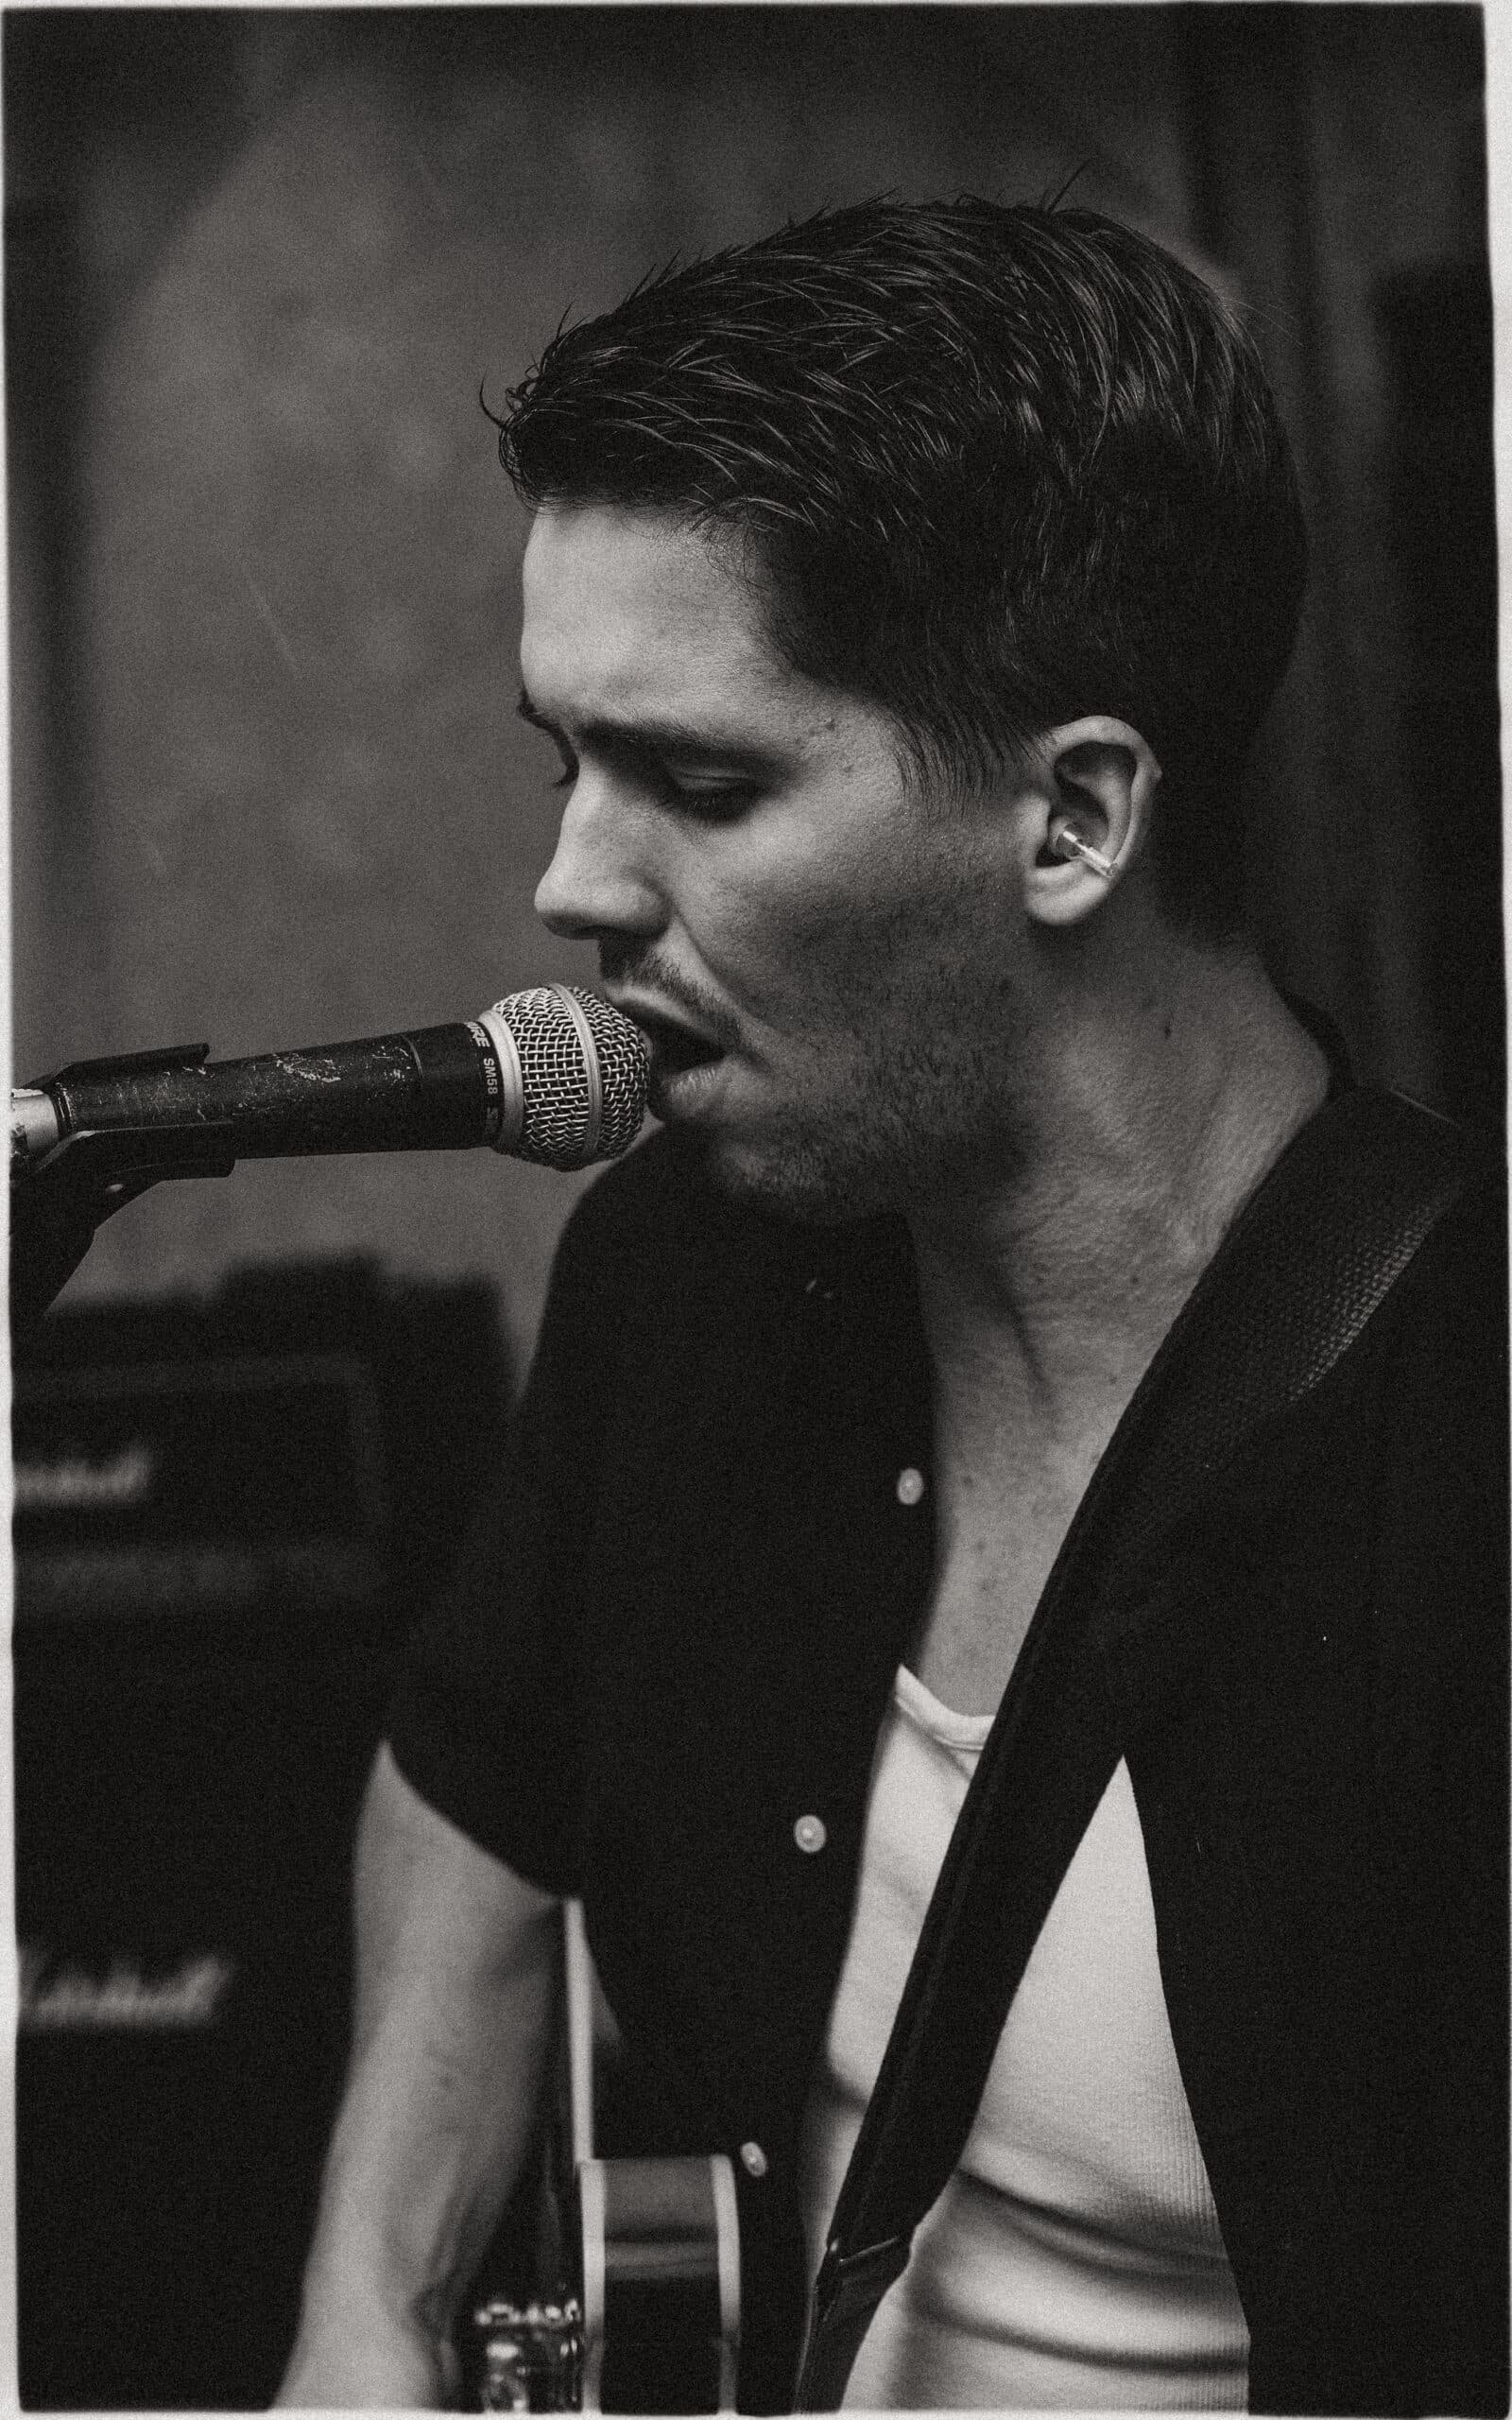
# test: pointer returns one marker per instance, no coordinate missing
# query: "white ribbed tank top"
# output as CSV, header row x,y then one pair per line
x,y
1074,2261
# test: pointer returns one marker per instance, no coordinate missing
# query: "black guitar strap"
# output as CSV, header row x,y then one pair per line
x,y
1302,1269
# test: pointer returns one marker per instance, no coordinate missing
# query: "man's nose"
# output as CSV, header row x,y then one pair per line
x,y
598,880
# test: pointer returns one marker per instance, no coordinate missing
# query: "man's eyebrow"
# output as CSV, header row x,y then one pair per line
x,y
653,735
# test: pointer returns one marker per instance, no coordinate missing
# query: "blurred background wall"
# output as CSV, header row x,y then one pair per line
x,y
268,782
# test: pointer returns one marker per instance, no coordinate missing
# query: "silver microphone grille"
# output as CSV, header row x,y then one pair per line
x,y
582,1072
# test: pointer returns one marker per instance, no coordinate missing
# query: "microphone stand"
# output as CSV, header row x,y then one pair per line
x,y
58,1202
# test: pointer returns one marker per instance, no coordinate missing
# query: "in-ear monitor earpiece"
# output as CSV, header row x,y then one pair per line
x,y
1069,844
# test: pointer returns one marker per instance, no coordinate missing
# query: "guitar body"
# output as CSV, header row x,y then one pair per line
x,y
661,2244
650,2319
646,2315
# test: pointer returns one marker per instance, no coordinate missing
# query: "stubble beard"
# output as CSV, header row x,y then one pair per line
x,y
912,1127
913,1102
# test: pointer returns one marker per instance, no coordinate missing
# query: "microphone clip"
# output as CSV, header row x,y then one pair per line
x,y
65,1183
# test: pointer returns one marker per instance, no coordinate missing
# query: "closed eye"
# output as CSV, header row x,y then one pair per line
x,y
667,760
712,802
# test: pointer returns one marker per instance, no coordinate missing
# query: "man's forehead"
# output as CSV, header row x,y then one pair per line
x,y
585,564
631,610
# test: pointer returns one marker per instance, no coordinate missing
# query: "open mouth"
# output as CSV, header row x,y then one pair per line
x,y
674,1049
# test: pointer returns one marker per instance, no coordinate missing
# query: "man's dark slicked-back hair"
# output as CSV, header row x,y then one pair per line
x,y
1001,467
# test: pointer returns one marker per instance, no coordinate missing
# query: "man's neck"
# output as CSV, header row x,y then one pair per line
x,y
1155,1116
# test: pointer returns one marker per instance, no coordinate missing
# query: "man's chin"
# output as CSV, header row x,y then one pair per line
x,y
811,1185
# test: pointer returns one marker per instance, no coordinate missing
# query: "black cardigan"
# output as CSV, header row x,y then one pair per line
x,y
677,1634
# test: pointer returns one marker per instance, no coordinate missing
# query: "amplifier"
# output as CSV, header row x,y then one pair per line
x,y
225,1514
242,1487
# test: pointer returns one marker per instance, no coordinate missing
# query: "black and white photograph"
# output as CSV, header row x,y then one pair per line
x,y
758,1333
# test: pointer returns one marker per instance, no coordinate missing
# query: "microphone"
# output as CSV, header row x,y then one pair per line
x,y
552,1074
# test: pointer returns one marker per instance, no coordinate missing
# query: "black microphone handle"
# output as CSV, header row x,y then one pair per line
x,y
435,1089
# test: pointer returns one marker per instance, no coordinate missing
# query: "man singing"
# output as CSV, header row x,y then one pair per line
x,y
904,594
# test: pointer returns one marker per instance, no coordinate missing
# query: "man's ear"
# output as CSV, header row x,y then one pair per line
x,y
1090,814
